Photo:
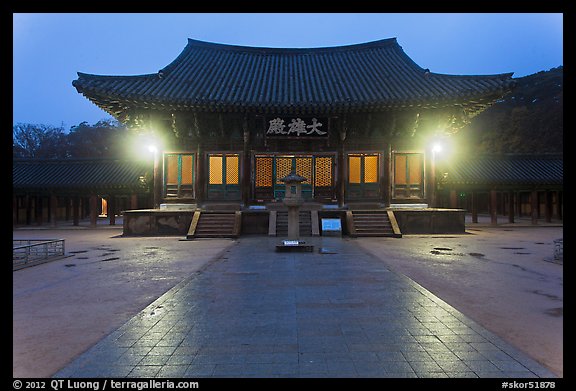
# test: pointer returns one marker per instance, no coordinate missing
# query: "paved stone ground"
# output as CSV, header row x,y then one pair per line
x,y
341,313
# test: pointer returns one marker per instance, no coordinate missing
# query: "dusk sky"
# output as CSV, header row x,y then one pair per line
x,y
50,48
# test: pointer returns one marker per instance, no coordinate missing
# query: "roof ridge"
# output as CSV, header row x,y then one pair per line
x,y
284,50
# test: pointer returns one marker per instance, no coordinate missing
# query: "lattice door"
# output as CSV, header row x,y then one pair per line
x,y
323,172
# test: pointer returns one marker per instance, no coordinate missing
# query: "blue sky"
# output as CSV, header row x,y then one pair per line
x,y
48,49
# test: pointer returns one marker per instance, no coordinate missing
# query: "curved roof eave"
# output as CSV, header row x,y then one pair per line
x,y
175,85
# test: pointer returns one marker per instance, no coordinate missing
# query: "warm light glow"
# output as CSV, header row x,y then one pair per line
x,y
152,148
436,147
145,145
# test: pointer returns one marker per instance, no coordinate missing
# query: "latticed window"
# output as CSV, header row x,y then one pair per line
x,y
363,168
371,169
215,163
408,168
323,172
304,168
178,174
232,169
283,168
408,175
354,169
223,169
171,164
186,169
263,172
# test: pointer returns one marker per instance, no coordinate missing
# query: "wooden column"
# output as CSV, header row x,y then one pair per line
x,y
511,206
133,201
560,204
453,199
93,210
38,210
493,207
534,206
200,174
474,202
246,177
112,209
341,181
548,206
76,210
53,209
28,205
14,210
67,209
157,191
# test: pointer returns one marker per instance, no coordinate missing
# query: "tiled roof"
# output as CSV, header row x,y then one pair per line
x,y
506,170
87,174
370,76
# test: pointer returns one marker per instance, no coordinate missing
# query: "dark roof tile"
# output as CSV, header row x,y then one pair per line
x,y
506,170
375,74
89,174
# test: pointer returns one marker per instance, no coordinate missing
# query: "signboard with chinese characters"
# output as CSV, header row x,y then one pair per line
x,y
296,127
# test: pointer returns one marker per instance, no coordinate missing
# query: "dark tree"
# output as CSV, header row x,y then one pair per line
x,y
38,141
105,139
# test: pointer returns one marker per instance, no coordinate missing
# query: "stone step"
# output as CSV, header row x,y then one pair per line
x,y
216,225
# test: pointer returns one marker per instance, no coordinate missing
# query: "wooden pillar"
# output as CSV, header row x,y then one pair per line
x,y
76,210
493,207
246,177
28,206
341,180
560,204
511,206
67,209
93,210
534,206
133,201
453,199
474,202
14,210
39,211
157,179
548,206
53,209
200,174
112,209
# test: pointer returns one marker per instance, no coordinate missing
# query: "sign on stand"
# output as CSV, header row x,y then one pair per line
x,y
331,227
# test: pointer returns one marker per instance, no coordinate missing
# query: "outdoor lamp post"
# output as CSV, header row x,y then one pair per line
x,y
155,176
436,148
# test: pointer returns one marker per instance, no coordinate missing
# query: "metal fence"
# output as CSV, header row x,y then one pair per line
x,y
28,252
559,250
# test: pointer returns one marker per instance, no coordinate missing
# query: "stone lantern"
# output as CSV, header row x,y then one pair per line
x,y
293,200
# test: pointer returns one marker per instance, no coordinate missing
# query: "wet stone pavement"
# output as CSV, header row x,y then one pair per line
x,y
337,313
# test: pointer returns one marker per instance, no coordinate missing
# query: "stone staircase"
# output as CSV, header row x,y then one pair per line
x,y
372,223
305,223
215,224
